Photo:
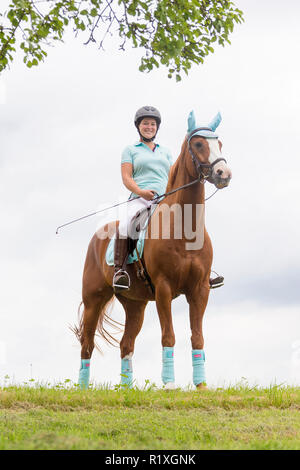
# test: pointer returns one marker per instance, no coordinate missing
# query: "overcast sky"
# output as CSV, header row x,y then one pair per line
x,y
63,126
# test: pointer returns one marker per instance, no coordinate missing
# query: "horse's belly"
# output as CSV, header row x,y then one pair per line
x,y
180,267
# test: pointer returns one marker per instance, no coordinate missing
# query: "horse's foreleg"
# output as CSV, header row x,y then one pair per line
x,y
134,311
197,303
163,297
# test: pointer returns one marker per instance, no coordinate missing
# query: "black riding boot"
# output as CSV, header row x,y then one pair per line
x,y
121,279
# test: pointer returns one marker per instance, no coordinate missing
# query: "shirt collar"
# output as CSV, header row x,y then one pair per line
x,y
138,143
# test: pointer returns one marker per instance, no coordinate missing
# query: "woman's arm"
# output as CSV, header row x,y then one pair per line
x,y
126,170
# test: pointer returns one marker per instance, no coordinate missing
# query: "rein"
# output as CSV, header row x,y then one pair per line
x,y
198,180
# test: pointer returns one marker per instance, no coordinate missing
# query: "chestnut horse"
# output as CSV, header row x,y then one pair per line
x,y
174,264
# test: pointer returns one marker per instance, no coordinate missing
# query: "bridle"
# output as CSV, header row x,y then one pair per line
x,y
199,166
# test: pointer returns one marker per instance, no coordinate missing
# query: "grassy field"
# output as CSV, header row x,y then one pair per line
x,y
62,417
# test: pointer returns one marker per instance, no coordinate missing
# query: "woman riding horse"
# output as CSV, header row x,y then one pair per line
x,y
174,264
145,168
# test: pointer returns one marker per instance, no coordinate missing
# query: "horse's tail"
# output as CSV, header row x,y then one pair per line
x,y
105,319
101,329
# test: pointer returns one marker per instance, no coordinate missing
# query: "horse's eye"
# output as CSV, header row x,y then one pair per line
x,y
198,145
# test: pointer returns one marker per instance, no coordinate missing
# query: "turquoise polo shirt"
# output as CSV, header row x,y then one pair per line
x,y
150,169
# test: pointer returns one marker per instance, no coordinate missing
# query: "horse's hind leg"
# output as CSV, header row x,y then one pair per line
x,y
134,311
94,308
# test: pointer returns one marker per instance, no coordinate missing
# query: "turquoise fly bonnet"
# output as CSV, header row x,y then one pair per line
x,y
203,131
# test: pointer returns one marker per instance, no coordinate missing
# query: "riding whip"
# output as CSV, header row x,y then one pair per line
x,y
132,199
94,213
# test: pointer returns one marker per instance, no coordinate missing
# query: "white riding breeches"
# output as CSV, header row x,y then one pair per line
x,y
130,211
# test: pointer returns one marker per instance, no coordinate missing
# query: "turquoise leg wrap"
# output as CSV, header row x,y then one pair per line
x,y
198,358
84,374
126,371
168,365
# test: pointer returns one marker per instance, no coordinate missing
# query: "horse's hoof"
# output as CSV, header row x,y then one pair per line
x,y
169,386
201,386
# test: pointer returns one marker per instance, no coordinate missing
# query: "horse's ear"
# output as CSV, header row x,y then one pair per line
x,y
215,122
191,122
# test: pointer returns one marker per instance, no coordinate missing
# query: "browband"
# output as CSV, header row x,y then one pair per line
x,y
199,129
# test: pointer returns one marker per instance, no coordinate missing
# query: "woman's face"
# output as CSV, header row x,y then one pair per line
x,y
148,127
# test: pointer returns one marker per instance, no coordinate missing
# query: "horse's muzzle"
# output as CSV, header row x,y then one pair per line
x,y
222,182
221,177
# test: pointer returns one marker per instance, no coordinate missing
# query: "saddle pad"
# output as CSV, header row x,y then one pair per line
x,y
109,256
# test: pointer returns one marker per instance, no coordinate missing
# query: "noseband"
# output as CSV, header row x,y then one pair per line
x,y
199,166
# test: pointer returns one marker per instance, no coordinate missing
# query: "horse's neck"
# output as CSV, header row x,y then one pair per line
x,y
185,215
193,194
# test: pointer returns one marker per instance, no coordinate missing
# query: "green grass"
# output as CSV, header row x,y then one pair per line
x,y
63,417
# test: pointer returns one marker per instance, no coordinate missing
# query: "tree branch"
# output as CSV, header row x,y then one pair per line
x,y
3,49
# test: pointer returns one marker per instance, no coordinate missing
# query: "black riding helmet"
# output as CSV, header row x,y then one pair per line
x,y
147,111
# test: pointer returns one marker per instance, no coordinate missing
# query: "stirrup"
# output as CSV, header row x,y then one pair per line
x,y
123,281
216,282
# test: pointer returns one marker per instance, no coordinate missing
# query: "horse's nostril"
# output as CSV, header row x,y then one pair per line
x,y
219,172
